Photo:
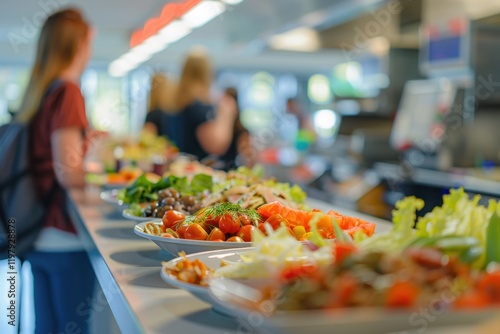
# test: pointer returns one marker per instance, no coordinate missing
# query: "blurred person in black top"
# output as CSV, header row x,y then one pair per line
x,y
206,129
162,118
240,151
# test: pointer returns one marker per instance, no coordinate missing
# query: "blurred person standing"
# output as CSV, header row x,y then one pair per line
x,y
296,127
162,118
54,108
206,129
240,151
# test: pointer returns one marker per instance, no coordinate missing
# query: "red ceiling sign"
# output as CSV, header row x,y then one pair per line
x,y
169,13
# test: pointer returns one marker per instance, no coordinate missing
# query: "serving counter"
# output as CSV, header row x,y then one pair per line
x,y
472,180
128,270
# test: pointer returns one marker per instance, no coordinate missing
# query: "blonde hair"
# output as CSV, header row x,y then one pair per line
x,y
162,93
57,47
195,80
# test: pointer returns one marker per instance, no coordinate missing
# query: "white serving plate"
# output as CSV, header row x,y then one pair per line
x,y
225,297
222,291
174,246
111,197
127,214
114,186
213,260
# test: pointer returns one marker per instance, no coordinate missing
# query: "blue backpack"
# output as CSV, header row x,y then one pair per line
x,y
21,209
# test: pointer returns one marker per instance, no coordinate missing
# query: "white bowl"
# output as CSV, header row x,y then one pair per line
x,y
174,246
127,213
111,197
213,260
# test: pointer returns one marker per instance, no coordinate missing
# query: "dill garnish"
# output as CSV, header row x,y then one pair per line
x,y
233,209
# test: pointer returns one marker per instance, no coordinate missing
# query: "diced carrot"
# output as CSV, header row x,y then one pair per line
x,y
296,217
489,284
402,294
472,300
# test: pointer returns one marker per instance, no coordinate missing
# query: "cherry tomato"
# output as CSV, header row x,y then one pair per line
x,y
216,234
244,220
490,286
212,221
171,217
217,240
208,228
245,232
168,235
181,229
234,239
195,232
228,225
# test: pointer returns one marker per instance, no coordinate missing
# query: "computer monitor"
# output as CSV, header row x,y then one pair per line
x,y
419,121
445,46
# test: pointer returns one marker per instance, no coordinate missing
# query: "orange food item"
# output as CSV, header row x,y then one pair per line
x,y
295,217
402,294
343,250
115,178
472,300
489,284
195,232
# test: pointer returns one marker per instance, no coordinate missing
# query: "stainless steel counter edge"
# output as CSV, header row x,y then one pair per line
x,y
438,178
126,318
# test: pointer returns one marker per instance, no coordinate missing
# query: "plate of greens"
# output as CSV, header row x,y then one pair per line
x,y
146,190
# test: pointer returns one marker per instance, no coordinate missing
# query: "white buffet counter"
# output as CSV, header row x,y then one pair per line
x,y
128,270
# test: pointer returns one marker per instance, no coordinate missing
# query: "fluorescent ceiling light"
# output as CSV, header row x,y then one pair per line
x,y
136,55
203,13
232,2
119,67
152,45
300,39
174,32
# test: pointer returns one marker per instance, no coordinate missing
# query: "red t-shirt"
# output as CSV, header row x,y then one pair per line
x,y
62,108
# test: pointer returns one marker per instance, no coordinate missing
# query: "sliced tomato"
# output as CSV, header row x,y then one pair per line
x,y
343,250
298,271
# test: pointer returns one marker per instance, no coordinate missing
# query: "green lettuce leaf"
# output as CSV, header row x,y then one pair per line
x,y
294,193
460,216
402,232
200,183
493,235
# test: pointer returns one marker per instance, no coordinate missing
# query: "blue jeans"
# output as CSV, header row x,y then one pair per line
x,y
63,282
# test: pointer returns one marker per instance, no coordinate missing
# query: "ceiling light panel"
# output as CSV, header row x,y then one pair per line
x,y
203,13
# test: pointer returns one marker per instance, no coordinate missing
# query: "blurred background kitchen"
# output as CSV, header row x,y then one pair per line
x,y
359,101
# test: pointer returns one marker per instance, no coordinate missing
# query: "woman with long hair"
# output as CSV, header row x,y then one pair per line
x,y
54,108
206,129
161,106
